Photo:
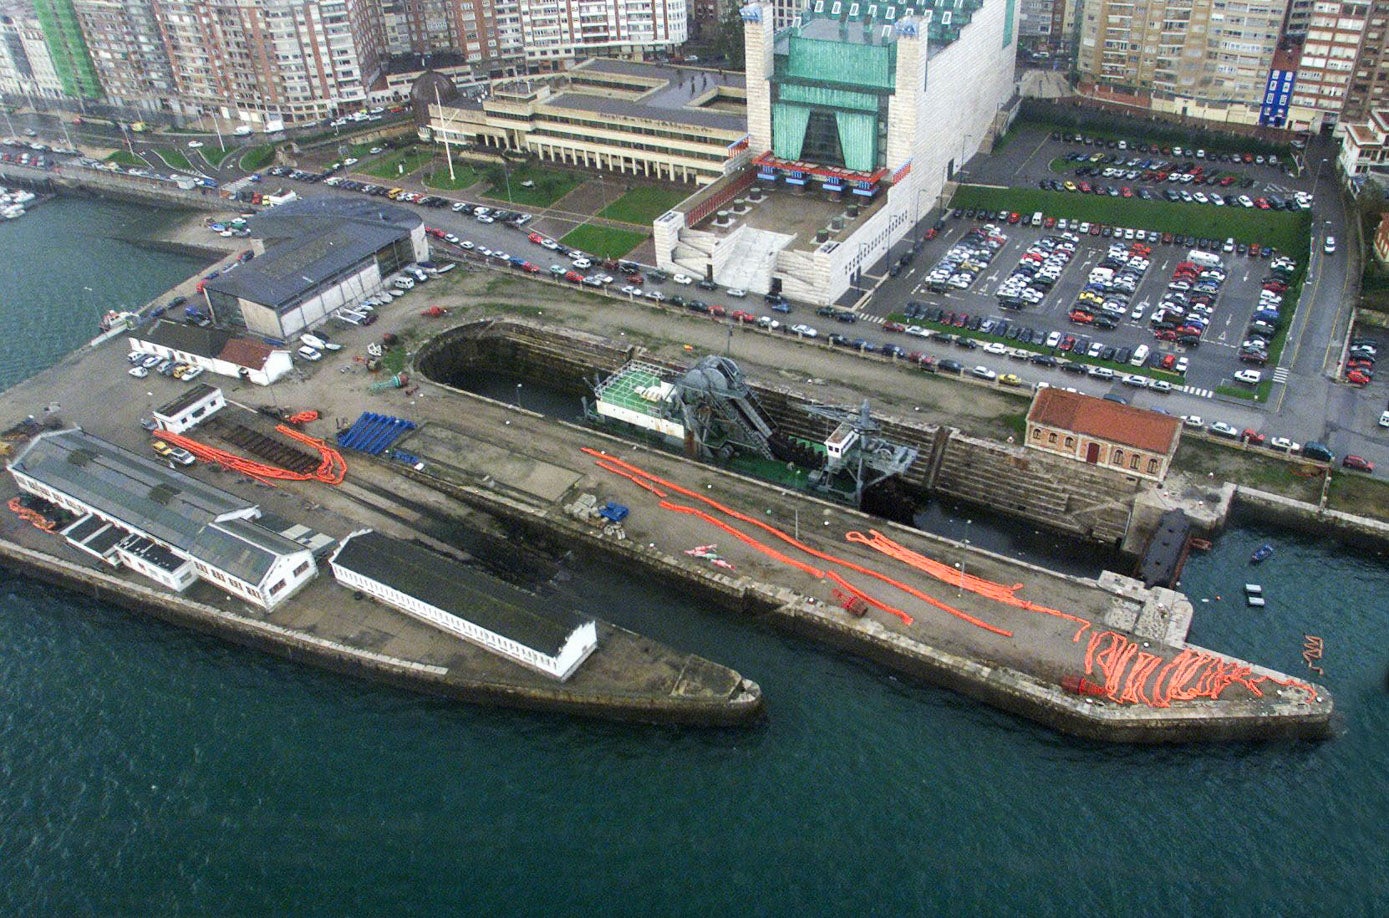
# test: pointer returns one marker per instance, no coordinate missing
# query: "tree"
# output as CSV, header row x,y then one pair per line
x,y
729,42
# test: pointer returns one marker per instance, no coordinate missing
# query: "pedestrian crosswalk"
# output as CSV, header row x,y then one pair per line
x,y
876,320
1280,375
1199,393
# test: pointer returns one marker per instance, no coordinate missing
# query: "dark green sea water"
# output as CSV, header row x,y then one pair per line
x,y
146,770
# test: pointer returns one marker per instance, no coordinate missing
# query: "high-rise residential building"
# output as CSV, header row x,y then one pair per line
x,y
127,50
67,47
257,62
1330,51
1207,59
1042,23
493,33
1369,85
26,65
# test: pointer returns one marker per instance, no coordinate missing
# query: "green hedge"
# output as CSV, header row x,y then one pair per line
x,y
1285,231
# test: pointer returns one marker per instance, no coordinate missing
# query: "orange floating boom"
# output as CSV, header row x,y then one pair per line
x,y
815,553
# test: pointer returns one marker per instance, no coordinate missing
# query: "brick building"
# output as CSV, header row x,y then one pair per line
x,y
1131,441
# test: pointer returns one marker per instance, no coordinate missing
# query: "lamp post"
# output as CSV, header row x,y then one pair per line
x,y
963,557
518,396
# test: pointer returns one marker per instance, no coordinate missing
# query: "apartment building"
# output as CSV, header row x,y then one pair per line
x,y
1207,59
1330,51
127,50
26,65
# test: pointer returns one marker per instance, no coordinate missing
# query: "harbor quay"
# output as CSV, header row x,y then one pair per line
x,y
1103,658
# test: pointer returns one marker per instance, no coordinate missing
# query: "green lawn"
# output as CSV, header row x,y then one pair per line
x,y
1287,232
642,205
126,158
463,177
606,243
399,164
547,186
258,157
175,159
215,155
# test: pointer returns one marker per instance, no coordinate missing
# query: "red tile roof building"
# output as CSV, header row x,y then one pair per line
x,y
1132,441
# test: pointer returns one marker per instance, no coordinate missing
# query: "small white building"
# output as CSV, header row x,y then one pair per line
x,y
466,603
216,350
190,408
135,512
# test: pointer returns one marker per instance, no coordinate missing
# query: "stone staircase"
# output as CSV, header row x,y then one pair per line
x,y
749,264
1072,496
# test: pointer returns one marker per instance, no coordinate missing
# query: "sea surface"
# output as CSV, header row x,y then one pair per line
x,y
146,770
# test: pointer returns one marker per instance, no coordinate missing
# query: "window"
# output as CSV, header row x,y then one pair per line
x,y
1051,438
1070,443
1133,462
1118,456
1152,466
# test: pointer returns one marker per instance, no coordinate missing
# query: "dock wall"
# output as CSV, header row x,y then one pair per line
x,y
102,184
1300,515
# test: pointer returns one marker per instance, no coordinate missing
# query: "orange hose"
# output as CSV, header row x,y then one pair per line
x,y
331,469
1133,676
815,553
946,574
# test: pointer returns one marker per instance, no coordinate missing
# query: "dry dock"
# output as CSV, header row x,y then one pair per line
x,y
964,626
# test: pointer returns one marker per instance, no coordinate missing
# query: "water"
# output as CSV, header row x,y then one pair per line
x,y
64,265
148,770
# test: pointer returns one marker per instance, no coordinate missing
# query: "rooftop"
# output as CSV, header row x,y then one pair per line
x,y
146,496
1097,417
187,399
459,590
310,242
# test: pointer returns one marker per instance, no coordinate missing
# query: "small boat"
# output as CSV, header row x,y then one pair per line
x,y
1261,554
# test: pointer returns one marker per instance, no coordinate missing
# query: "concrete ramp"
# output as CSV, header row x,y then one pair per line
x,y
749,267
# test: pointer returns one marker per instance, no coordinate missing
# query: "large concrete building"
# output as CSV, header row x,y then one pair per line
x,y
617,116
858,116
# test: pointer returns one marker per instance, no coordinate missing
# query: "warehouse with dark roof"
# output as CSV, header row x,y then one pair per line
x,y
461,600
313,256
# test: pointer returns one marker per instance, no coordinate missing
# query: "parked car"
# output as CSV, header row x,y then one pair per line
x,y
1357,464
1223,429
172,453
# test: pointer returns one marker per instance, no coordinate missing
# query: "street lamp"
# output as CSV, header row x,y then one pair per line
x,y
963,557
518,396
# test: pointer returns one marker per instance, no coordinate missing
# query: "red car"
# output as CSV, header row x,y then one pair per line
x,y
536,238
1357,378
1014,217
894,327
931,234
741,315
1168,361
1252,437
1357,464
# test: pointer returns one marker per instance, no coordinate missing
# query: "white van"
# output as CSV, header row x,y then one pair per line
x,y
1204,259
1140,356
1037,218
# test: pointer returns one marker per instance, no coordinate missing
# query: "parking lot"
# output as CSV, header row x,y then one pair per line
x,y
1213,355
